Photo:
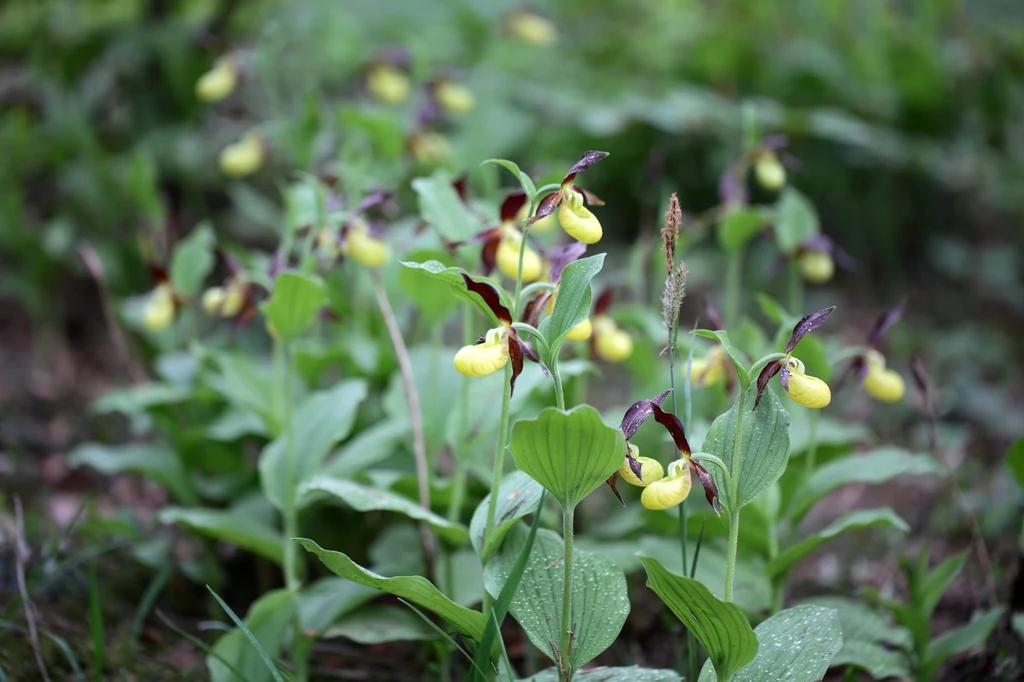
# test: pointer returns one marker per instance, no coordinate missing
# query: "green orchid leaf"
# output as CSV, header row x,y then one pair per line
x,y
234,527
719,626
267,621
441,206
365,498
379,624
322,420
796,220
524,180
960,639
761,439
193,261
600,602
1015,461
570,453
572,305
796,645
154,461
603,674
864,518
452,276
518,496
294,302
415,589
935,583
738,360
875,466
324,601
866,635
431,294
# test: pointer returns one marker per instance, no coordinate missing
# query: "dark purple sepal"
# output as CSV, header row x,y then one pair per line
x,y
638,413
806,326
710,489
674,427
490,297
770,370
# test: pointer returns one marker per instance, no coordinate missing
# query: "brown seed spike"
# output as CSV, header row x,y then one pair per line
x,y
490,297
670,232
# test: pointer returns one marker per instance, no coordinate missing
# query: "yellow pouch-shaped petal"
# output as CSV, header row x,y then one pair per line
x,y
650,470
485,358
611,343
454,98
507,257
242,158
580,223
388,84
804,389
218,82
883,384
159,311
817,267
666,493
366,249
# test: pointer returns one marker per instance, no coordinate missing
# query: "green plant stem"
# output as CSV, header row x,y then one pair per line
x,y
292,579
734,494
499,467
567,624
733,287
459,479
795,285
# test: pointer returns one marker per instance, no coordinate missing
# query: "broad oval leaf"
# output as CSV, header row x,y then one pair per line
x,y
961,639
268,620
738,228
294,303
244,530
321,603
795,645
431,295
518,496
876,466
760,437
364,498
719,626
524,180
147,459
322,420
569,453
866,633
796,220
441,206
600,602
416,589
863,518
378,624
572,305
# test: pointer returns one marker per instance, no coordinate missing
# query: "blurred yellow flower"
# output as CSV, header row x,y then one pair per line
x,y
532,29
388,83
219,82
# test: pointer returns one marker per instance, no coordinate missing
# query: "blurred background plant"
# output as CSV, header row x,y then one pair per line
x,y
126,124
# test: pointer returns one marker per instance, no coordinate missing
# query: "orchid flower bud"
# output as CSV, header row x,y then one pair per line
x,y
579,222
364,248
507,257
218,82
650,469
485,358
242,158
454,98
611,343
159,311
669,491
882,384
532,29
804,389
388,84
817,267
770,173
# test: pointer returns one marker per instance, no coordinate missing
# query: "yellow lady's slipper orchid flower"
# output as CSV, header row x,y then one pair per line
x,y
485,358
388,83
224,301
244,157
365,248
454,98
817,267
580,332
429,148
881,383
545,224
709,370
532,29
771,174
159,311
507,257
669,491
579,222
218,82
650,469
807,390
611,343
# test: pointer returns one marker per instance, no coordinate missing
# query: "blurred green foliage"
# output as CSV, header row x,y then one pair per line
x,y
906,116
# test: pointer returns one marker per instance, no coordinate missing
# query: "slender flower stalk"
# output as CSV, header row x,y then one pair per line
x,y
415,412
734,505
